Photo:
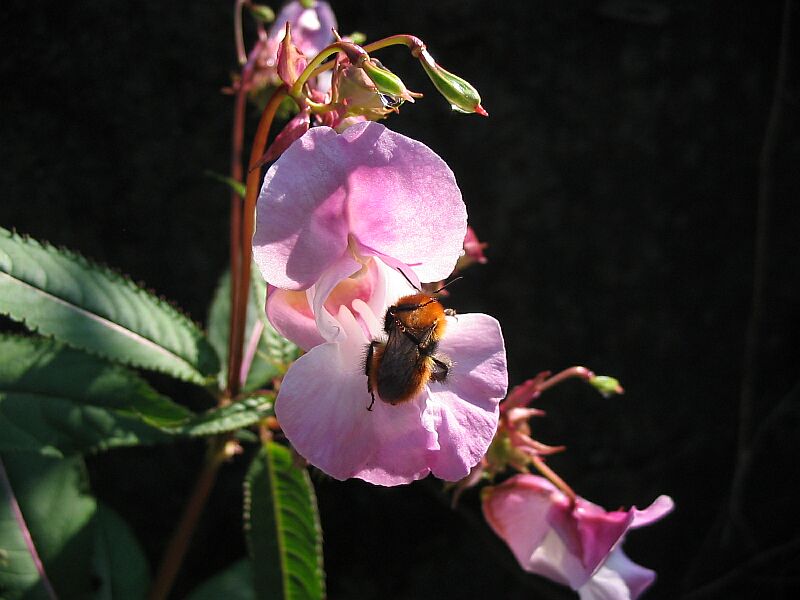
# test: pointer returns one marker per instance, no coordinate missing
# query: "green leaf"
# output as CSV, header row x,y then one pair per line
x,y
282,526
242,413
236,186
57,512
19,574
273,354
61,294
119,561
57,400
234,583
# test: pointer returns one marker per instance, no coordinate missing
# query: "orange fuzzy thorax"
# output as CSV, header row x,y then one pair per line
x,y
422,318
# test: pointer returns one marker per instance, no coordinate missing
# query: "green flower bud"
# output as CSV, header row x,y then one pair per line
x,y
357,38
607,386
387,82
458,92
262,13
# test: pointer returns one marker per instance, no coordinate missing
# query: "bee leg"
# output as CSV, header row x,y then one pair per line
x,y
441,368
451,313
424,343
367,367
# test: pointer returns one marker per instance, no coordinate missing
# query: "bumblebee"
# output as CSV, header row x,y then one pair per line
x,y
400,367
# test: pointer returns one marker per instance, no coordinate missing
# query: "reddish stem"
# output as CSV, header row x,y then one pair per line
x,y
579,372
242,282
237,173
179,542
542,467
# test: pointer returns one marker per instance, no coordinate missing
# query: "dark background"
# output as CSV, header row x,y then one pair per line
x,y
616,183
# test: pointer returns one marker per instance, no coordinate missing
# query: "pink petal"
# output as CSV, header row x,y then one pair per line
x,y
375,285
301,226
661,507
636,577
464,409
311,27
322,409
590,534
619,579
392,194
341,269
578,546
473,247
290,314
292,131
516,511
577,540
404,201
606,584
390,286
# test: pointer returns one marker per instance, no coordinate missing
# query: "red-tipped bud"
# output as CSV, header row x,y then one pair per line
x,y
607,386
458,92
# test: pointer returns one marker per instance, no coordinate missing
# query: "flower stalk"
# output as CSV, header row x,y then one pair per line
x,y
237,144
220,449
353,52
241,284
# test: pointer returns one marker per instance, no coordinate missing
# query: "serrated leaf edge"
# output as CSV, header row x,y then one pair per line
x,y
193,328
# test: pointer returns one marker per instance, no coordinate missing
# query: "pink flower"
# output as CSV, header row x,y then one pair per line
x,y
323,399
367,192
292,313
578,544
311,30
473,249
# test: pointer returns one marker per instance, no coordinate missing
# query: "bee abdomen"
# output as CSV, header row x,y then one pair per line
x,y
395,386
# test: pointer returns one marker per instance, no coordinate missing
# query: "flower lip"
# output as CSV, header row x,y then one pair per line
x,y
445,429
292,313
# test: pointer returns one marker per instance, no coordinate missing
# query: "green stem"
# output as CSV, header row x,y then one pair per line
x,y
414,43
353,51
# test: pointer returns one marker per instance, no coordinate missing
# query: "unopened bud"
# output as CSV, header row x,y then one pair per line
x,y
385,81
357,37
262,13
607,386
291,61
458,92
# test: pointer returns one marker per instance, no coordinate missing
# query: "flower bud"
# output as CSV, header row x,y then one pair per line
x,y
262,13
387,82
458,92
607,386
291,61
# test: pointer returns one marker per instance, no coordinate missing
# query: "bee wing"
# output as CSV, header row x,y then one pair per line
x,y
401,368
